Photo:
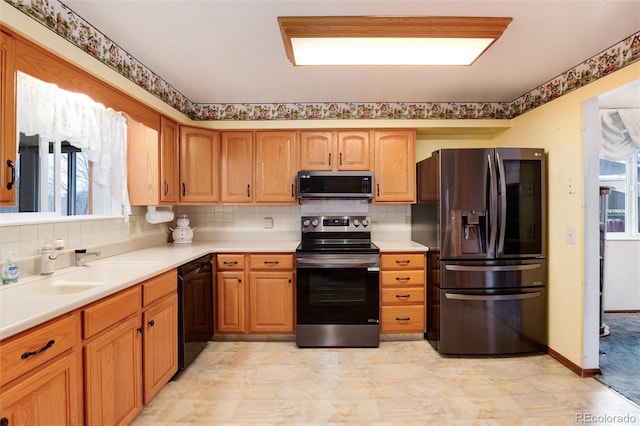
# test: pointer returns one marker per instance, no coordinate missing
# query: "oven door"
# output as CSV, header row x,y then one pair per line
x,y
337,288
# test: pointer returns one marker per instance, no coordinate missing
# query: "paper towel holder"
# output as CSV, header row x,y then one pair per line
x,y
159,214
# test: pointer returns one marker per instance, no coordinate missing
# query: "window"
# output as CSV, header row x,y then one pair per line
x,y
71,154
623,176
58,178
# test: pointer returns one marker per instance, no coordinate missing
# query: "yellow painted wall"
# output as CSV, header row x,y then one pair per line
x,y
556,127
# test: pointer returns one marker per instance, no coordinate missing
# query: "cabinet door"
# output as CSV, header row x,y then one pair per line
x,y
354,150
271,302
169,162
142,164
317,150
276,167
237,167
113,375
49,395
230,302
395,167
199,165
8,142
160,345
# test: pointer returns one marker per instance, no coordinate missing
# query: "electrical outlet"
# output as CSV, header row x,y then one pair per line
x,y
268,222
132,227
407,220
571,235
571,186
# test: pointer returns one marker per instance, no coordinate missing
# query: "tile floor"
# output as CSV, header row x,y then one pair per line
x,y
399,383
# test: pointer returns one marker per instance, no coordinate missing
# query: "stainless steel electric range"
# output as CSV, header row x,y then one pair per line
x,y
338,295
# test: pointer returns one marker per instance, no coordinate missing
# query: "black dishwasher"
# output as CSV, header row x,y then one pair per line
x,y
195,309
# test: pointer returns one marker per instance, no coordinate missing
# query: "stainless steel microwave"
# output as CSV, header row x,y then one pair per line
x,y
335,185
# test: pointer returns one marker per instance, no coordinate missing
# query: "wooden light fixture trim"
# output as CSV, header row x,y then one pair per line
x,y
382,26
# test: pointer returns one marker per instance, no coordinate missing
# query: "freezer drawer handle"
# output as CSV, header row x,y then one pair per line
x,y
455,296
502,268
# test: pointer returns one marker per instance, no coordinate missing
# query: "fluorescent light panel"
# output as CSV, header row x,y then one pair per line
x,y
349,40
388,51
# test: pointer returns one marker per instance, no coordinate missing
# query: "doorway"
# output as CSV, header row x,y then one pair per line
x,y
616,353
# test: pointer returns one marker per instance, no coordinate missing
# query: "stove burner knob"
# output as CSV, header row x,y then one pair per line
x,y
306,222
365,222
314,222
356,222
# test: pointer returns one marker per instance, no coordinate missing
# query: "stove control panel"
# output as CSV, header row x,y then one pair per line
x,y
335,223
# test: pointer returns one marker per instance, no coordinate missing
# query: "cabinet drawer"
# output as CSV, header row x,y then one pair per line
x,y
104,313
402,296
34,347
271,261
402,261
158,287
402,278
403,319
230,261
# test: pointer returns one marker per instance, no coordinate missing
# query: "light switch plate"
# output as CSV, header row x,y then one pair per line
x,y
571,235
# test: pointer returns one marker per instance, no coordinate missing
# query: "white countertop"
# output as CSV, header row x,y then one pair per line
x,y
21,309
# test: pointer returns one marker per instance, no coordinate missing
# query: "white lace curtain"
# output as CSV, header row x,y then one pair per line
x,y
620,133
58,115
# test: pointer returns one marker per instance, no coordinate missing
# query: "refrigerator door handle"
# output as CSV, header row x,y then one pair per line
x,y
517,296
498,268
503,204
493,194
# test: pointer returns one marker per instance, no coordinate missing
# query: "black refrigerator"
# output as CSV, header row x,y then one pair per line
x,y
484,210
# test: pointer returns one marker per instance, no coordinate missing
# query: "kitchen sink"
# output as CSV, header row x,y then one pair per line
x,y
85,278
62,287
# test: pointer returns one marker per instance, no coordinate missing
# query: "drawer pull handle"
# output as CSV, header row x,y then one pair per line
x,y
13,174
403,296
271,262
230,263
37,351
152,323
403,262
403,319
403,278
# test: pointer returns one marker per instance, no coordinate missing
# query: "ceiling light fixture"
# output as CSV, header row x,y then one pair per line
x,y
377,40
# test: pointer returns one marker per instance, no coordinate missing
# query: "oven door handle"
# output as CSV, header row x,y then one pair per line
x,y
337,263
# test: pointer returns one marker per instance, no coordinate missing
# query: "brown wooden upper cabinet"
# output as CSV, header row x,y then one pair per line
x,y
258,167
153,163
276,167
199,165
8,143
395,169
236,180
335,150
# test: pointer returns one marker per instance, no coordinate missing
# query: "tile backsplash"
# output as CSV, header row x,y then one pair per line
x,y
389,222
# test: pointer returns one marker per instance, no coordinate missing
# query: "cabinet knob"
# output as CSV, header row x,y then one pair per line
x,y
140,330
151,323
4,421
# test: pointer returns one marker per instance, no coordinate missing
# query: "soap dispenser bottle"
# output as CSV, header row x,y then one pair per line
x,y
10,270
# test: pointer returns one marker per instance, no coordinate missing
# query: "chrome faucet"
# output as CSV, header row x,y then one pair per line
x,y
82,253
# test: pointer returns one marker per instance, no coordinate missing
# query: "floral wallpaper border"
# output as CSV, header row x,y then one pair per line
x,y
63,21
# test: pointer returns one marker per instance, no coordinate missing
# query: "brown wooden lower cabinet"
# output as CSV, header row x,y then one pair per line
x,y
402,298
41,375
97,365
113,374
433,294
258,298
